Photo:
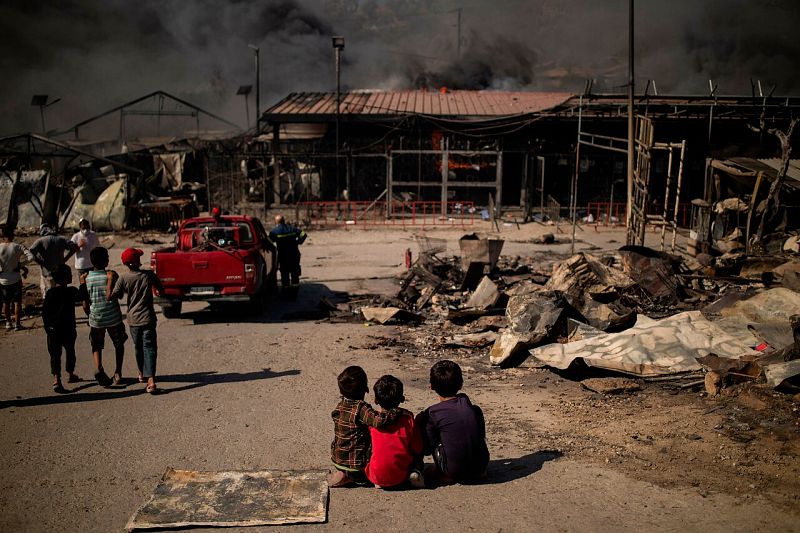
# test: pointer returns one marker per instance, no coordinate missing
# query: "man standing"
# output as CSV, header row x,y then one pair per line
x,y
87,240
49,251
287,238
13,257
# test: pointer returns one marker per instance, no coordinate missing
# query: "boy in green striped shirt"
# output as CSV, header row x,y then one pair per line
x,y
104,316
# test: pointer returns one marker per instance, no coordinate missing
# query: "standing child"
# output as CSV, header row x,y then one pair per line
x,y
454,429
13,257
350,448
394,447
138,284
58,315
104,316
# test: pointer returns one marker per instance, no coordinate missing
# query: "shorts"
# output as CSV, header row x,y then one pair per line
x,y
11,293
117,334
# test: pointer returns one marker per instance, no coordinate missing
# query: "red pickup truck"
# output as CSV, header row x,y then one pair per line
x,y
217,259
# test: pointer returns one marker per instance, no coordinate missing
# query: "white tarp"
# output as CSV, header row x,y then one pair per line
x,y
651,347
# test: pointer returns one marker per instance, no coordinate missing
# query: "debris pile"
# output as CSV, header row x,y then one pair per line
x,y
638,312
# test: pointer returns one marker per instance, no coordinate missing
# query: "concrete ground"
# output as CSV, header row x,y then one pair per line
x,y
256,393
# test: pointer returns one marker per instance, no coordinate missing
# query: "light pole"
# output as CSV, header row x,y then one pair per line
x,y
338,46
245,91
628,209
258,83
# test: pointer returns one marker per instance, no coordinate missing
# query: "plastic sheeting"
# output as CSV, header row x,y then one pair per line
x,y
651,347
108,213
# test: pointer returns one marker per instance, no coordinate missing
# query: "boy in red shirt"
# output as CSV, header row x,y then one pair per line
x,y
397,446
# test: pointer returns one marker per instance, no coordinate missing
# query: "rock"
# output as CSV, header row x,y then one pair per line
x,y
547,238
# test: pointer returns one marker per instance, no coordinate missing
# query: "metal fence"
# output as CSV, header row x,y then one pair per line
x,y
374,214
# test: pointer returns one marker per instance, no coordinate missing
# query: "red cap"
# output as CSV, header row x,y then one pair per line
x,y
131,255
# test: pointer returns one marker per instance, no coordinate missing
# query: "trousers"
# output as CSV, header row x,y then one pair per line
x,y
145,348
55,342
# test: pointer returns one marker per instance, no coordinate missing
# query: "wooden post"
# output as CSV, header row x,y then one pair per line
x,y
678,195
445,174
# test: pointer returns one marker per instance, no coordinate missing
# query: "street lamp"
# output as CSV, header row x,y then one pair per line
x,y
245,90
40,101
258,83
338,46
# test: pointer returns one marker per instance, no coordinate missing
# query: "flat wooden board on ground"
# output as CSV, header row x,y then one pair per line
x,y
186,498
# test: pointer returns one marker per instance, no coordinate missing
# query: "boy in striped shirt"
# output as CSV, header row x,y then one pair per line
x,y
104,316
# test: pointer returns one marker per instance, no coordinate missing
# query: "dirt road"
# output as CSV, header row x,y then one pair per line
x,y
257,394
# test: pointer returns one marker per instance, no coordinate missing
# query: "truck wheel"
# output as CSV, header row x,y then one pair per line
x,y
171,310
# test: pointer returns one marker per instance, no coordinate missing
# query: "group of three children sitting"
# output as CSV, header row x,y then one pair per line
x,y
386,447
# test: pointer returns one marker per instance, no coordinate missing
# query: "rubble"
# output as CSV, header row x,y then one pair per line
x,y
611,385
382,315
532,318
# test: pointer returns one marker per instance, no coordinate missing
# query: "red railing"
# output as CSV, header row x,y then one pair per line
x,y
400,214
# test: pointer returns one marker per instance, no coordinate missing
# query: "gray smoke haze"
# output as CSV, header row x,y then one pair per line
x,y
95,55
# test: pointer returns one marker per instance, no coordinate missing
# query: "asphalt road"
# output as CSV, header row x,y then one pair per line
x,y
257,394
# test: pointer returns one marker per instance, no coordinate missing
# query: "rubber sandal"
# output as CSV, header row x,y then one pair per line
x,y
152,389
59,388
117,379
74,378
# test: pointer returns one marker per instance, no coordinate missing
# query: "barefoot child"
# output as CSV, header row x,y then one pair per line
x,y
454,431
394,447
104,316
352,417
138,284
58,314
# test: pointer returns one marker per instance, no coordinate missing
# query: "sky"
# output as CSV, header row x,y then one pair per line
x,y
97,54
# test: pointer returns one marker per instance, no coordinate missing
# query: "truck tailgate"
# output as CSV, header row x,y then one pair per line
x,y
200,270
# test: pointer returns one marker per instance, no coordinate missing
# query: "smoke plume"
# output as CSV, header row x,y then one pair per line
x,y
95,55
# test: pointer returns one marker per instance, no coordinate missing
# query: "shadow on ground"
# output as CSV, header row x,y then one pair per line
x,y
193,381
280,308
505,470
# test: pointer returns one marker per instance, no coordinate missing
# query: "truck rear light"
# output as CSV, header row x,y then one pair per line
x,y
249,271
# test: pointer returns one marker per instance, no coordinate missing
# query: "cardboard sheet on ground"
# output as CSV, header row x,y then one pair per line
x,y
186,498
651,347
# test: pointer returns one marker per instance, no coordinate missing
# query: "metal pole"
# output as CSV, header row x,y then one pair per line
x,y
338,111
258,90
630,120
247,111
574,205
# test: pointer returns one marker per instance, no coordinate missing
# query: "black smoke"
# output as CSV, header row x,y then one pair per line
x,y
95,55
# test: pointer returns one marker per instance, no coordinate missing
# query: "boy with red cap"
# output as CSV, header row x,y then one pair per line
x,y
138,284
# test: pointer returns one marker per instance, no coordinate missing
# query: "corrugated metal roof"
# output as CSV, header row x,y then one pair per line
x,y
461,104
770,166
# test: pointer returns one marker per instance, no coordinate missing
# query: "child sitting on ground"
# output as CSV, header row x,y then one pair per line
x,y
350,448
454,431
58,314
395,446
